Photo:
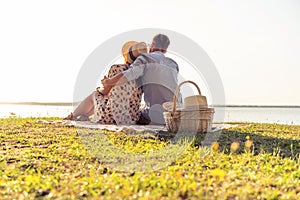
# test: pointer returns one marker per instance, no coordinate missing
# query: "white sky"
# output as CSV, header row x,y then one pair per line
x,y
255,44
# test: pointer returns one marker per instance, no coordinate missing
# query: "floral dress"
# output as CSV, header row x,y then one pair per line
x,y
121,105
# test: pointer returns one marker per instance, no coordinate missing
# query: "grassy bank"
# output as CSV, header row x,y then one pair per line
x,y
54,161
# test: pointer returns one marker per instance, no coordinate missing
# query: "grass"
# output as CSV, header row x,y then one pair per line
x,y
253,161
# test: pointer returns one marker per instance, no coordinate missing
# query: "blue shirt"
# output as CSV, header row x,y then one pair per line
x,y
158,76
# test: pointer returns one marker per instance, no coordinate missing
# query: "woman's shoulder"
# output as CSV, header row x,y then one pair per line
x,y
117,68
123,66
120,65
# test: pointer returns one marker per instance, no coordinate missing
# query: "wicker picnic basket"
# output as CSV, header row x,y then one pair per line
x,y
188,119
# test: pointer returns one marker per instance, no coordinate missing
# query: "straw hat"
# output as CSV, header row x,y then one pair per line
x,y
189,103
132,49
195,101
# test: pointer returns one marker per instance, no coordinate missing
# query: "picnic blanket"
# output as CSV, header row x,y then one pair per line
x,y
124,128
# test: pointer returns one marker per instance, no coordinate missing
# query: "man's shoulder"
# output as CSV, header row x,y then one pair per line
x,y
159,55
146,58
171,61
143,57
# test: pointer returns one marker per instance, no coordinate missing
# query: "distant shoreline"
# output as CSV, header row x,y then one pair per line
x,y
257,106
38,103
71,104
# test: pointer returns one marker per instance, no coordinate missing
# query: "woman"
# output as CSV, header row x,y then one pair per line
x,y
117,105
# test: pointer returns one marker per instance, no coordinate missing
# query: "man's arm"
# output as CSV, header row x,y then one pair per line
x,y
118,79
135,71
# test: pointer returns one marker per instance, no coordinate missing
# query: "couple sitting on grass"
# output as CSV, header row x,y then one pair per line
x,y
118,102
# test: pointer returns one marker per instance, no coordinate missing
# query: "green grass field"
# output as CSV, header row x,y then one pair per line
x,y
253,161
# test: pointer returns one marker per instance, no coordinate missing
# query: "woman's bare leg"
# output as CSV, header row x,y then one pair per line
x,y
83,110
86,107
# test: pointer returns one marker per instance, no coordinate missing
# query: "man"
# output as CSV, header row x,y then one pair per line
x,y
157,74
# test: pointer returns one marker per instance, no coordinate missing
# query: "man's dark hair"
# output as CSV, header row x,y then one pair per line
x,y
161,42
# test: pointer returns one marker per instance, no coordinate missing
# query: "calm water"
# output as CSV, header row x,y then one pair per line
x,y
265,115
232,114
34,110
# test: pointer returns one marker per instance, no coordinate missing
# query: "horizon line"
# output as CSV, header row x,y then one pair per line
x,y
216,105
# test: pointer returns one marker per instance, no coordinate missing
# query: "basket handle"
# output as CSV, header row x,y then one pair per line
x,y
177,92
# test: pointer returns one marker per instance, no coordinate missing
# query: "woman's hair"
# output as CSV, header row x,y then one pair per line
x,y
161,42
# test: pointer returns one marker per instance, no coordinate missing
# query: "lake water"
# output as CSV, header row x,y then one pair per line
x,y
280,115
34,110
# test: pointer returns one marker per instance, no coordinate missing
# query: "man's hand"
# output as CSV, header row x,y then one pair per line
x,y
118,79
105,82
106,86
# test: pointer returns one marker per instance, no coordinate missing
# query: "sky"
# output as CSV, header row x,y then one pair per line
x,y
255,45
